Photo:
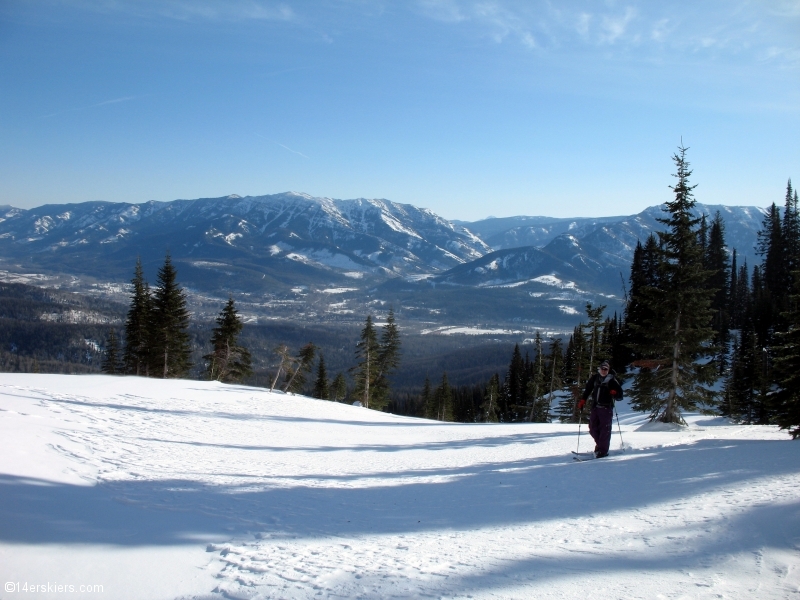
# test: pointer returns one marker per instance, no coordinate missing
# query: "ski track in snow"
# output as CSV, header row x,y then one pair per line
x,y
186,489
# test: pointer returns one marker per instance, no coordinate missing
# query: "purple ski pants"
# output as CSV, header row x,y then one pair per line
x,y
600,423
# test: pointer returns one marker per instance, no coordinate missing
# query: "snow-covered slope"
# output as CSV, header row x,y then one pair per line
x,y
186,489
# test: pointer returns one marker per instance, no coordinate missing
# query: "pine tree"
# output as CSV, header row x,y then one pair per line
x,y
536,386
171,352
136,356
595,336
367,355
787,366
790,253
771,247
514,392
338,388
679,330
388,359
228,361
490,397
443,398
567,402
321,387
556,360
111,364
717,264
427,399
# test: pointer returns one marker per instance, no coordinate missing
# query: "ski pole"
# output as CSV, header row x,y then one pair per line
x,y
580,422
619,428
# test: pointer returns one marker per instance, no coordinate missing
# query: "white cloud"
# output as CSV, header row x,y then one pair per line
x,y
614,27
584,20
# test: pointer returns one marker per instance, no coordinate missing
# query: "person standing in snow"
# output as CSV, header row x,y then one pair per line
x,y
602,390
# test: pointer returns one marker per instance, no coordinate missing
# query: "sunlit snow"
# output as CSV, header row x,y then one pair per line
x,y
199,490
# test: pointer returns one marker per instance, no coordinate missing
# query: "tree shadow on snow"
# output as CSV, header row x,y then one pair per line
x,y
146,512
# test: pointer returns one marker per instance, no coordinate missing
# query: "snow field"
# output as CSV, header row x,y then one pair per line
x,y
186,489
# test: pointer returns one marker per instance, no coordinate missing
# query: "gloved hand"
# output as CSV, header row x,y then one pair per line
x,y
581,404
613,392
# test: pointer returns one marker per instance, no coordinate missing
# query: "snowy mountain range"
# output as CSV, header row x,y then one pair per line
x,y
288,242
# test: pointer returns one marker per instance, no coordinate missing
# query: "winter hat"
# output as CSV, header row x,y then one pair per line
x,y
605,363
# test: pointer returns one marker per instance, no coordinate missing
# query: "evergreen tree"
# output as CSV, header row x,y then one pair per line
x,y
771,247
787,366
490,398
443,398
228,361
790,253
338,389
514,392
366,370
536,386
388,359
321,387
428,399
136,356
595,337
717,264
171,352
679,330
111,364
567,404
556,360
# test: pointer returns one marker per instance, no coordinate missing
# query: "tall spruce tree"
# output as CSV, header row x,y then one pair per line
x,y
367,355
388,359
537,385
790,229
321,386
170,349
112,363
787,366
595,327
228,361
556,360
771,247
513,405
490,397
136,356
679,330
443,399
339,388
718,266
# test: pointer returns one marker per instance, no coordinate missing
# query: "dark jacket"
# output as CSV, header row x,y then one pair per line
x,y
598,390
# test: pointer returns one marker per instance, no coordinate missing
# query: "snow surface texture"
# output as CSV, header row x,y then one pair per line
x,y
186,489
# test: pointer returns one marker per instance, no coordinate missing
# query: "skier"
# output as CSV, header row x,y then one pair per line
x,y
603,389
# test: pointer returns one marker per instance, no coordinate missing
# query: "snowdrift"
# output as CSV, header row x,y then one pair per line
x,y
186,489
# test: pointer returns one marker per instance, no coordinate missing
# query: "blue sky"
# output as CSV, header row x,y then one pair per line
x,y
468,107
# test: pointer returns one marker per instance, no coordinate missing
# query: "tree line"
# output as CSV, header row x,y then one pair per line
x,y
156,343
693,319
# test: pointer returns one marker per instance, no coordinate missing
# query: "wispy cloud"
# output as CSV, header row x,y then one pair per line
x,y
192,10
718,29
615,26
89,106
281,145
